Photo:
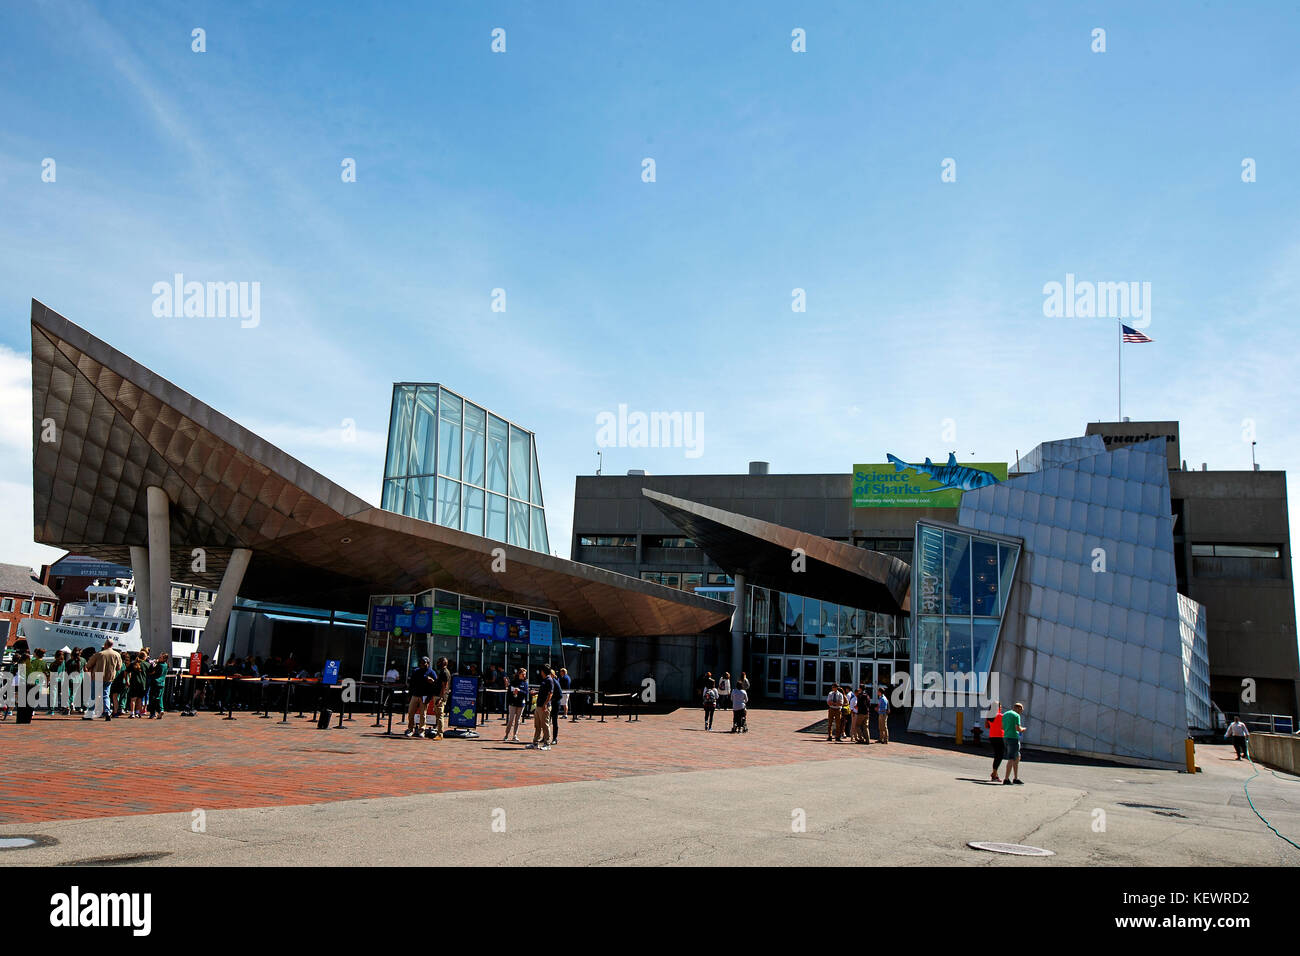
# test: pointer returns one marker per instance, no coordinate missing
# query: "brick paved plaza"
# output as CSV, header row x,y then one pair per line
x,y
61,768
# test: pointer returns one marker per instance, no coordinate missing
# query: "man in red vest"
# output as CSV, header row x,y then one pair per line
x,y
994,725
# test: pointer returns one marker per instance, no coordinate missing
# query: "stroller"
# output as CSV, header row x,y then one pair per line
x,y
738,721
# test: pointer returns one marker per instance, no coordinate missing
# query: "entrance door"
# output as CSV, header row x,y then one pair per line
x,y
809,688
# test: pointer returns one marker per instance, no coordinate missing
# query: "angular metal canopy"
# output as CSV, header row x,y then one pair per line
x,y
119,428
763,552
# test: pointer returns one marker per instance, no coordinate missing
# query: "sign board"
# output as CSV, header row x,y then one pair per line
x,y
1122,434
540,633
495,628
925,484
790,689
381,617
444,621
80,566
462,711
330,675
196,660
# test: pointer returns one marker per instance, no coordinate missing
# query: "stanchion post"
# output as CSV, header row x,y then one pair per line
x,y
230,701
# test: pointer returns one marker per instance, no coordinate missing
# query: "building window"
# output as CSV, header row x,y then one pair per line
x,y
607,541
27,607
653,576
668,541
1235,551
46,608
7,605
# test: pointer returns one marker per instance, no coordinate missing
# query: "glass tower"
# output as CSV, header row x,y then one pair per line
x,y
456,464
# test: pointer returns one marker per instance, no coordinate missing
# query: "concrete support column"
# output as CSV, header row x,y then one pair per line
x,y
215,630
160,570
140,575
738,630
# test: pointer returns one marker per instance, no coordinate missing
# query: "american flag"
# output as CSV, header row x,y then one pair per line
x,y
1133,335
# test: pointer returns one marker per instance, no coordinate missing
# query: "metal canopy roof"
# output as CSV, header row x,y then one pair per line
x,y
762,551
121,428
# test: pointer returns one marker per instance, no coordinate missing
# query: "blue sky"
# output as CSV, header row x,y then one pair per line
x,y
775,170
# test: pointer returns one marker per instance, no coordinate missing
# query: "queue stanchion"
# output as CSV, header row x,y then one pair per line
x,y
230,700
266,707
342,706
288,690
379,708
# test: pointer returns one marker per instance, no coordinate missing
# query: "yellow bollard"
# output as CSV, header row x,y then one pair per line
x,y
961,719
1191,756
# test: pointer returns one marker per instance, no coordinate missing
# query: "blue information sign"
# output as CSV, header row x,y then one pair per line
x,y
540,633
462,711
381,617
330,675
790,689
422,620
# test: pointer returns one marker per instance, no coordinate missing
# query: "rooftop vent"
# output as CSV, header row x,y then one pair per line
x,y
636,472
758,467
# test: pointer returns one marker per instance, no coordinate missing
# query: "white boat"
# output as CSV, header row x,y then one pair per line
x,y
109,611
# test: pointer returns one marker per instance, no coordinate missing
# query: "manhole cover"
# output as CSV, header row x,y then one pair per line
x,y
1015,849
23,842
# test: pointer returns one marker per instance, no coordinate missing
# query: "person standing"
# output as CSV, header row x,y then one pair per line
x,y
994,725
437,707
557,701
566,688
157,684
710,703
103,667
1239,734
724,689
834,711
541,712
420,687
1013,726
882,717
516,698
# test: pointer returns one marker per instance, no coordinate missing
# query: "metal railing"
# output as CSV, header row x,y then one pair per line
x,y
1266,723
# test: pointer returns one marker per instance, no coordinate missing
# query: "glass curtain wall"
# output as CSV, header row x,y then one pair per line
x,y
963,581
815,643
455,463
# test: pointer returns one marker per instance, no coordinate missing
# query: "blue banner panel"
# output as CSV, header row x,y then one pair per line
x,y
422,620
330,675
381,617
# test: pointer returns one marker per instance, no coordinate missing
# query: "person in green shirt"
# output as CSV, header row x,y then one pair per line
x,y
1013,725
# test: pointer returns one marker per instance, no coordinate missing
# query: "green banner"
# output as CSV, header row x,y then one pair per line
x,y
927,484
446,621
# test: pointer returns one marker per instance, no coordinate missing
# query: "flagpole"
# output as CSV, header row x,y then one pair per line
x,y
1119,375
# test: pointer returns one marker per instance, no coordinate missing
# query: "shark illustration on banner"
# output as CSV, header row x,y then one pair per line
x,y
951,475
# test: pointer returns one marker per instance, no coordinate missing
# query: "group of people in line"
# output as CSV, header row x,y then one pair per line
x,y
429,686
849,712
129,685
734,696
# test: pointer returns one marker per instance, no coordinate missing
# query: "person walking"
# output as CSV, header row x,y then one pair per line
x,y
104,666
710,703
834,712
882,717
566,688
541,712
994,726
516,699
1013,726
157,684
135,686
420,687
1239,734
739,710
